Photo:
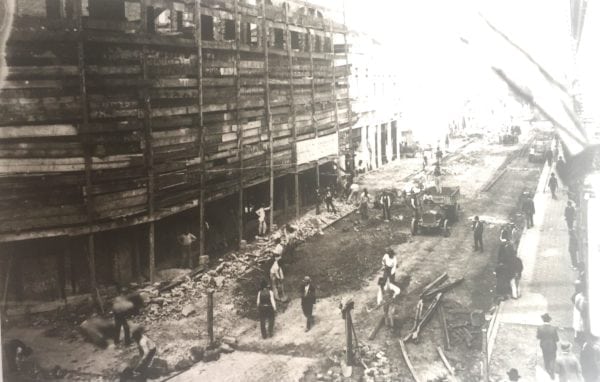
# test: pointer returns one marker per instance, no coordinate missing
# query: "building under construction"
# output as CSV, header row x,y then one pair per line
x,y
126,123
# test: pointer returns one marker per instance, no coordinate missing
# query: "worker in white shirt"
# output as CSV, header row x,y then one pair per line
x,y
276,274
279,248
385,286
186,240
389,262
147,350
262,224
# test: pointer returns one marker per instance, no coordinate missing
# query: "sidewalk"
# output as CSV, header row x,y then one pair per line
x,y
546,286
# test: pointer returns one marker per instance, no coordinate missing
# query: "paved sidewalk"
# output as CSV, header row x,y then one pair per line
x,y
546,286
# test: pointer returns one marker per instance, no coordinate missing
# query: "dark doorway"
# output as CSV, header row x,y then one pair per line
x,y
384,141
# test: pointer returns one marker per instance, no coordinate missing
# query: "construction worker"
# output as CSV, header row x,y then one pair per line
x,y
262,224
354,193
329,200
390,263
186,240
265,302
386,203
364,205
276,274
307,301
147,350
385,286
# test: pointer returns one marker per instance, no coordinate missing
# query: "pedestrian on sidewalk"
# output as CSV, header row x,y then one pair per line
x,y
516,270
529,209
437,173
553,185
567,365
513,375
329,200
561,167
547,334
364,205
570,215
478,233
580,306
276,274
390,263
265,302
589,359
503,277
573,248
307,301
386,203
549,156
262,224
354,193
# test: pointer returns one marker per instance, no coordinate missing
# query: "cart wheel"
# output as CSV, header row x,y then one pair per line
x,y
414,227
446,229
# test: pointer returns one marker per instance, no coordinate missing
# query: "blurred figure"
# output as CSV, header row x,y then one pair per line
x,y
307,301
569,215
262,224
529,210
364,205
513,375
589,359
567,365
386,203
147,350
553,185
437,173
329,200
186,240
478,233
13,352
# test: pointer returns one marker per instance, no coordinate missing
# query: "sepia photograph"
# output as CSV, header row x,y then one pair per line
x,y
300,191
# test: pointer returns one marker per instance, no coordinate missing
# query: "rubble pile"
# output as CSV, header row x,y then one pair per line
x,y
179,297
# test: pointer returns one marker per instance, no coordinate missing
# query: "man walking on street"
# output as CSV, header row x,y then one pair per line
x,y
553,184
265,302
516,270
385,202
567,365
478,233
570,214
529,210
308,300
329,201
547,334
364,205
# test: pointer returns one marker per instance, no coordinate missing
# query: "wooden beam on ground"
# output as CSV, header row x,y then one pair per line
x,y
443,288
377,327
444,325
440,279
407,361
201,129
418,312
268,113
445,360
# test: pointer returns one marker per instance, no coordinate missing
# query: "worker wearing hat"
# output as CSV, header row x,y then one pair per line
x,y
308,300
548,336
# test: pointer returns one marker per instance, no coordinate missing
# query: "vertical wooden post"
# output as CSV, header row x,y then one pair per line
x,y
318,174
210,317
268,112
86,144
240,132
149,153
92,264
349,344
136,254
201,130
6,284
292,111
62,279
151,259
484,351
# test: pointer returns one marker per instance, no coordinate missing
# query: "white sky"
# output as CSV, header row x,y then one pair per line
x,y
437,71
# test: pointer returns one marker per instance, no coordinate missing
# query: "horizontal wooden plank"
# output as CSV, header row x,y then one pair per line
x,y
37,131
